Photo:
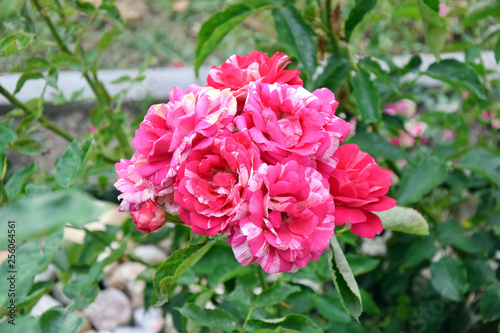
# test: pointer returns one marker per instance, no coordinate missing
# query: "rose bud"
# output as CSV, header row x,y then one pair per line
x,y
150,217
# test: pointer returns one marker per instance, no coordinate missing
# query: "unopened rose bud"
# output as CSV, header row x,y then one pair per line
x,y
150,217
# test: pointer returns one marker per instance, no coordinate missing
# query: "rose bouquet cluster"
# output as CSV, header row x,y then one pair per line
x,y
256,157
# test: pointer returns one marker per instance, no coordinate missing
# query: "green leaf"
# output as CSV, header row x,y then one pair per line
x,y
297,36
435,30
217,26
361,264
275,294
367,97
452,233
423,249
479,273
331,308
490,303
7,135
57,320
344,280
376,17
357,14
66,60
171,269
217,318
480,11
457,73
291,323
107,39
23,324
449,278
84,287
52,77
54,209
404,219
420,180
72,162
25,77
369,306
15,183
483,162
15,42
336,71
497,50
377,146
31,258
374,67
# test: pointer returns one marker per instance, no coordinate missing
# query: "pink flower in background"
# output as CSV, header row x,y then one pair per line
x,y
284,120
239,71
168,131
93,129
290,220
212,183
150,217
403,140
358,186
414,129
405,107
448,135
495,122
443,9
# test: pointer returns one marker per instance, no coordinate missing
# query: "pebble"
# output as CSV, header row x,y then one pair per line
x,y
151,320
58,293
111,309
47,275
44,303
150,254
124,277
131,329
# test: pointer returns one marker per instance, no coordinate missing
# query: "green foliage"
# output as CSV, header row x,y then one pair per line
x,y
367,97
344,280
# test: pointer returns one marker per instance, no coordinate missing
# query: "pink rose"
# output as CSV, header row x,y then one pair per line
x,y
290,220
150,217
404,106
443,9
136,189
168,131
284,120
212,182
358,186
239,71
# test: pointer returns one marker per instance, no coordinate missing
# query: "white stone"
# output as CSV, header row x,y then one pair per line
x,y
59,294
169,324
44,303
151,320
125,277
111,309
150,254
47,275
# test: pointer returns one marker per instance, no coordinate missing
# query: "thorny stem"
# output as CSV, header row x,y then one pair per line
x,y
3,192
102,95
42,119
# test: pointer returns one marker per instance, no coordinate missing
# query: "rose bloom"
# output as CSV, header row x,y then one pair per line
x,y
239,71
150,217
285,120
169,131
358,186
212,182
404,106
136,189
290,220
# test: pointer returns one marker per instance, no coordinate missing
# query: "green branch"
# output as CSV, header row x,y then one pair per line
x,y
42,119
